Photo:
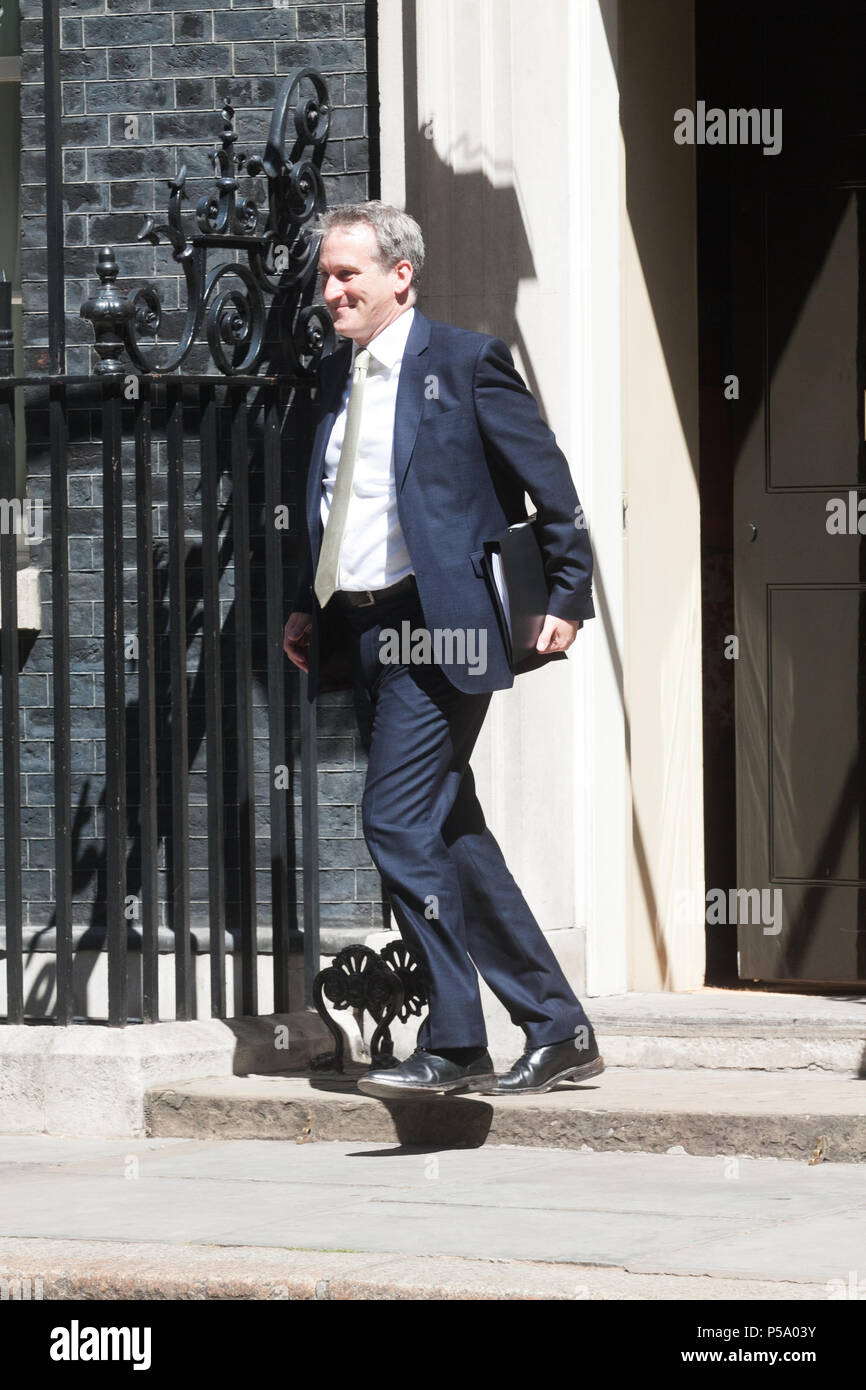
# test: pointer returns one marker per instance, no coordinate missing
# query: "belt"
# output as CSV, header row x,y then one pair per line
x,y
366,598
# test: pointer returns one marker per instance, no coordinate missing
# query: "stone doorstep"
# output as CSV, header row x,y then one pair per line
x,y
747,1114
744,1048
717,1029
733,1030
736,1047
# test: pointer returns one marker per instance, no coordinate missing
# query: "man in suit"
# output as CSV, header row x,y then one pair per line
x,y
427,441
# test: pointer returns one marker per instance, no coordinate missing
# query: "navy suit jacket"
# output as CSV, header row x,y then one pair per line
x,y
469,441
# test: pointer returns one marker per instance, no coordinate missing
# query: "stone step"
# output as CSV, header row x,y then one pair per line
x,y
735,1030
718,1029
793,1115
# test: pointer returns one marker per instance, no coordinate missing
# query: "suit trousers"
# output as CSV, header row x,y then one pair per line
x,y
456,905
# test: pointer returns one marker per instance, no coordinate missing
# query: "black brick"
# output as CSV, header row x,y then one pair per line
x,y
254,24
355,89
32,134
73,98
76,232
354,19
85,197
254,57
192,60
357,154
190,25
257,92
33,166
186,125
320,20
31,101
32,200
31,34
346,188
134,261
128,62
70,33
34,264
117,30
195,92
116,228
31,67
327,55
84,130
132,196
84,64
347,120
334,161
130,162
128,96
119,125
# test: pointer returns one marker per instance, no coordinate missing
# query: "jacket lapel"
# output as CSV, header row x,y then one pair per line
x,y
410,395
407,415
334,371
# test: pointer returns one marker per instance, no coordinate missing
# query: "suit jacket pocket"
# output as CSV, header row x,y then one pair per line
x,y
477,558
447,419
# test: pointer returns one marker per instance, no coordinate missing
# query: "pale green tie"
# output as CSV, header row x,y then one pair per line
x,y
328,568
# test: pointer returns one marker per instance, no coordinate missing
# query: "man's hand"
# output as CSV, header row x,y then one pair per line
x,y
296,639
557,634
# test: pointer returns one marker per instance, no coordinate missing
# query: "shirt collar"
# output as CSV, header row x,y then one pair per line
x,y
388,346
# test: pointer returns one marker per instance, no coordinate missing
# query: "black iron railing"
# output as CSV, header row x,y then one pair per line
x,y
242,415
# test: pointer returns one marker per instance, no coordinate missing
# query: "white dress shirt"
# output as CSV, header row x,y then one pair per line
x,y
373,553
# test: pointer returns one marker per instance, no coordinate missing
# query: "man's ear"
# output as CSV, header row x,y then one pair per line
x,y
405,275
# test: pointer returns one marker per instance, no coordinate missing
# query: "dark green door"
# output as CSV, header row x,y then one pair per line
x,y
798,300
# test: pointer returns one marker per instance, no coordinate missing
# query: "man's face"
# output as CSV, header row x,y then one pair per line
x,y
362,297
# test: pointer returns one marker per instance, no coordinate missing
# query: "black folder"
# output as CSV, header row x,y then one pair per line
x,y
514,569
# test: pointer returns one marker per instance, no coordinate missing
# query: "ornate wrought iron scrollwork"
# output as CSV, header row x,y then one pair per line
x,y
388,984
413,975
238,303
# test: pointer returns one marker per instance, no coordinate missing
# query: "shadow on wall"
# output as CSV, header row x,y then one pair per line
x,y
477,244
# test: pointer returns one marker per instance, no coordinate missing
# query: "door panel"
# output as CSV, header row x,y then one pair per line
x,y
798,253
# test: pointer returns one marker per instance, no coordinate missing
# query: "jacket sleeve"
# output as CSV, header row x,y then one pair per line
x,y
523,445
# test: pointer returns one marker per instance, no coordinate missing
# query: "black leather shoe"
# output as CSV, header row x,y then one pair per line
x,y
426,1073
539,1070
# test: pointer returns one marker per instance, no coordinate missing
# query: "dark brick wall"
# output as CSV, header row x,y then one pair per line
x,y
169,64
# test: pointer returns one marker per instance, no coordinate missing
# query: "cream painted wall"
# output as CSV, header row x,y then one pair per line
x,y
660,435
490,80
500,131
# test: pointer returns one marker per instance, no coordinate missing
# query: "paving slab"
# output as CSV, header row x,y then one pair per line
x,y
660,1216
58,1269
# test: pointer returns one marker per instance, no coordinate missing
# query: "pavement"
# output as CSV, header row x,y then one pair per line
x,y
720,1157
175,1218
